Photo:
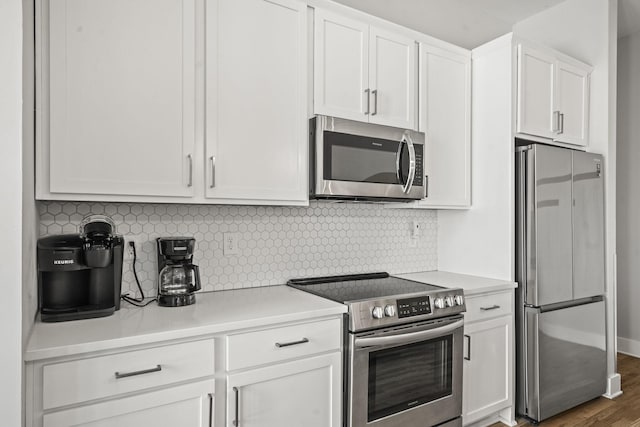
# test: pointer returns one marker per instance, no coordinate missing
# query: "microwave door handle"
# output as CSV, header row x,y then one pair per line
x,y
406,338
412,162
398,155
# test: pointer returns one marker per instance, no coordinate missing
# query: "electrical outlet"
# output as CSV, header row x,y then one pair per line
x,y
128,250
415,229
231,243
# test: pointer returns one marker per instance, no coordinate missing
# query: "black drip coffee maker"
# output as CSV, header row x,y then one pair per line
x,y
79,275
178,277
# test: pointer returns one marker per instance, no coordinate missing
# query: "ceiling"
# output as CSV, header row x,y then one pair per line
x,y
470,23
466,23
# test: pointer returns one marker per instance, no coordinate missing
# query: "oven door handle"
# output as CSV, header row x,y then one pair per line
x,y
406,338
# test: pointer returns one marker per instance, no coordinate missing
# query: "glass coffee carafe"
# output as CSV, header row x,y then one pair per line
x,y
178,277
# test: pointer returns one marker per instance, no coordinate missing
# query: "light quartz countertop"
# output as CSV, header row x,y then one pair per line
x,y
213,313
472,285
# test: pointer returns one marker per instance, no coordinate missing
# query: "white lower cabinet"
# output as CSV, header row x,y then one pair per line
x,y
304,392
292,376
164,385
189,405
488,360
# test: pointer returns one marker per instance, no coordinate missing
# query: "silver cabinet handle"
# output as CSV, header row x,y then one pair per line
x,y
426,186
368,92
119,375
190,184
375,102
412,162
555,127
210,409
287,344
236,421
468,356
212,160
561,123
493,307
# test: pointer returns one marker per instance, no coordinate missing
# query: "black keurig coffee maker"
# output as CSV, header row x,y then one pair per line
x,y
178,277
80,275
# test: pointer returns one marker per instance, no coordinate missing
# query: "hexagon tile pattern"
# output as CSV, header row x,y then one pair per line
x,y
275,244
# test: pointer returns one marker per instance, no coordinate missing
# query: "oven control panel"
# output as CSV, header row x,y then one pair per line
x,y
413,307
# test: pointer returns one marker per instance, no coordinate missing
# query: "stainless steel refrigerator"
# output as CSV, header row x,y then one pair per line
x,y
560,322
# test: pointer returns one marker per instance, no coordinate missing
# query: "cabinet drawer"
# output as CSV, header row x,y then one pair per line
x,y
488,306
273,345
77,381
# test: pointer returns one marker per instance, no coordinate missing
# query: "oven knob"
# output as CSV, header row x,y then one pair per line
x,y
449,301
389,310
439,302
377,312
459,300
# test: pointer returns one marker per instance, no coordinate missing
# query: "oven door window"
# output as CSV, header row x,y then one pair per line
x,y
403,377
364,159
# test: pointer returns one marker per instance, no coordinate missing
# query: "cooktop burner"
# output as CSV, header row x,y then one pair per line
x,y
358,289
377,300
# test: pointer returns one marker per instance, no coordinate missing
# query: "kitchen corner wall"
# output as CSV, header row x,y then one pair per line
x,y
276,243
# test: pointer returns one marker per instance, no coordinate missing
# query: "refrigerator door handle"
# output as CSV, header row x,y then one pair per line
x,y
568,304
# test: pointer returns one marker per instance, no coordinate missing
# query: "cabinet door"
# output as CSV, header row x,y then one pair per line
x,y
188,405
445,117
488,368
341,62
572,92
536,104
392,79
121,99
306,392
256,126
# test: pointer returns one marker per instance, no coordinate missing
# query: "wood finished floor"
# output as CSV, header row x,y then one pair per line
x,y
623,411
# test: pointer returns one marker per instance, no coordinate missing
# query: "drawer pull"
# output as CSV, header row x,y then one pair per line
x,y
468,356
493,307
119,375
236,420
287,344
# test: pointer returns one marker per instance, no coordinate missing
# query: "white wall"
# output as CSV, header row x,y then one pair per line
x,y
587,30
628,202
30,216
10,214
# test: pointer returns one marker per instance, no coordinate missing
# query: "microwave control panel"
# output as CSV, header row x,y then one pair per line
x,y
417,181
413,307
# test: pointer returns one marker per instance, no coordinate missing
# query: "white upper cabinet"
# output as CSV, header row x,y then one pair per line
x,y
573,103
341,63
363,73
392,79
553,96
187,101
119,97
256,122
536,80
445,118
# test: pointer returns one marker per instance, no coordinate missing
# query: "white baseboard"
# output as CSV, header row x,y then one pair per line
x,y
614,387
629,346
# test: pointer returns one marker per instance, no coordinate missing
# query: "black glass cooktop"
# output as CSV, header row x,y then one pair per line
x,y
360,287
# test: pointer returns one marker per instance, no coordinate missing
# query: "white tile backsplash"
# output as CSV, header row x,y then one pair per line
x,y
275,243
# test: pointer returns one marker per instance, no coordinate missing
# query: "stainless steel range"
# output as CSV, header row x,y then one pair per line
x,y
403,358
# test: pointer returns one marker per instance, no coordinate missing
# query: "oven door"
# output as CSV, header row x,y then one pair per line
x,y
409,375
361,160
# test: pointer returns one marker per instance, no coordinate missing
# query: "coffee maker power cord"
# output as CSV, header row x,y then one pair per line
x,y
138,302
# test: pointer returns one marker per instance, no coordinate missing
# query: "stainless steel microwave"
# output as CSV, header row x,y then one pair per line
x,y
361,161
